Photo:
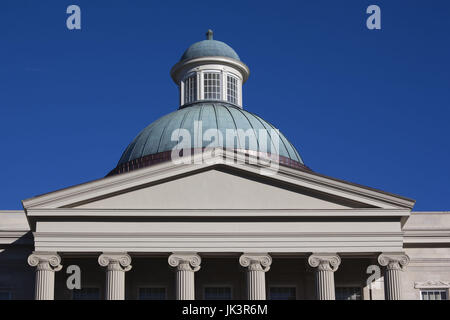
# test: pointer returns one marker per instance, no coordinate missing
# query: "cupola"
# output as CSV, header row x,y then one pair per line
x,y
210,70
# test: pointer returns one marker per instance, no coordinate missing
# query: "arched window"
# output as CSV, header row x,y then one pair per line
x,y
190,89
212,86
232,88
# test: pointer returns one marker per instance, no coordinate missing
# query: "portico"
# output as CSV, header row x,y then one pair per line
x,y
322,222
187,283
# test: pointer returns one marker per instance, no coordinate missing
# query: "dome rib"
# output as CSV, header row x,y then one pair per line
x,y
235,129
299,158
162,135
268,132
181,124
215,113
251,125
149,134
279,151
156,138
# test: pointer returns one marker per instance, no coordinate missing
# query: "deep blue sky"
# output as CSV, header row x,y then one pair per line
x,y
371,107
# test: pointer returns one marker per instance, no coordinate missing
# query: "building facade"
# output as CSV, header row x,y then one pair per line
x,y
212,202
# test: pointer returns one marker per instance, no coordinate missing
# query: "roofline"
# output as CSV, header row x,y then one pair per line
x,y
155,158
64,196
430,212
366,187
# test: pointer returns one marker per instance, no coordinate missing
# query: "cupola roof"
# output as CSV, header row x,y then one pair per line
x,y
209,48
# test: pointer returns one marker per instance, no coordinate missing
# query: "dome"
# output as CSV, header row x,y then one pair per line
x,y
208,48
155,139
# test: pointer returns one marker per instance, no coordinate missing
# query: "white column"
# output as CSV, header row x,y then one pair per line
x,y
326,264
46,264
116,265
182,84
257,265
186,265
224,85
395,263
201,86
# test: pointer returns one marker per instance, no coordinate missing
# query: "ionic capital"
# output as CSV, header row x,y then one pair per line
x,y
256,261
393,261
324,261
115,261
185,261
48,261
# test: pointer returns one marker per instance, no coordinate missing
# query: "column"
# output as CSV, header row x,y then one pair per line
x,y
395,263
186,265
257,265
47,263
326,264
201,86
116,265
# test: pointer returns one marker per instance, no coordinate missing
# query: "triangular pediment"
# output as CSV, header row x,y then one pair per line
x,y
218,189
217,185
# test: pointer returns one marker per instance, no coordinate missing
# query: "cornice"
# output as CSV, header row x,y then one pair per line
x,y
215,234
16,238
423,235
216,213
184,65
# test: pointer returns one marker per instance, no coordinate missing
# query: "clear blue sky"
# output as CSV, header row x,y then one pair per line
x,y
371,107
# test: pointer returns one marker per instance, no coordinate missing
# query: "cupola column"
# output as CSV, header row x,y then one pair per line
x,y
256,266
186,265
116,265
395,263
46,263
326,264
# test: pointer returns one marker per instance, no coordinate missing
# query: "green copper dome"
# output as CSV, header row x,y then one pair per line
x,y
210,114
157,137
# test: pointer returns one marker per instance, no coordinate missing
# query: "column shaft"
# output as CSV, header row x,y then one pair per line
x,y
325,285
256,285
115,285
393,285
45,283
185,285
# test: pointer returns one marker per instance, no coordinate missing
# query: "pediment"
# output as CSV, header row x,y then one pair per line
x,y
217,184
218,189
432,284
